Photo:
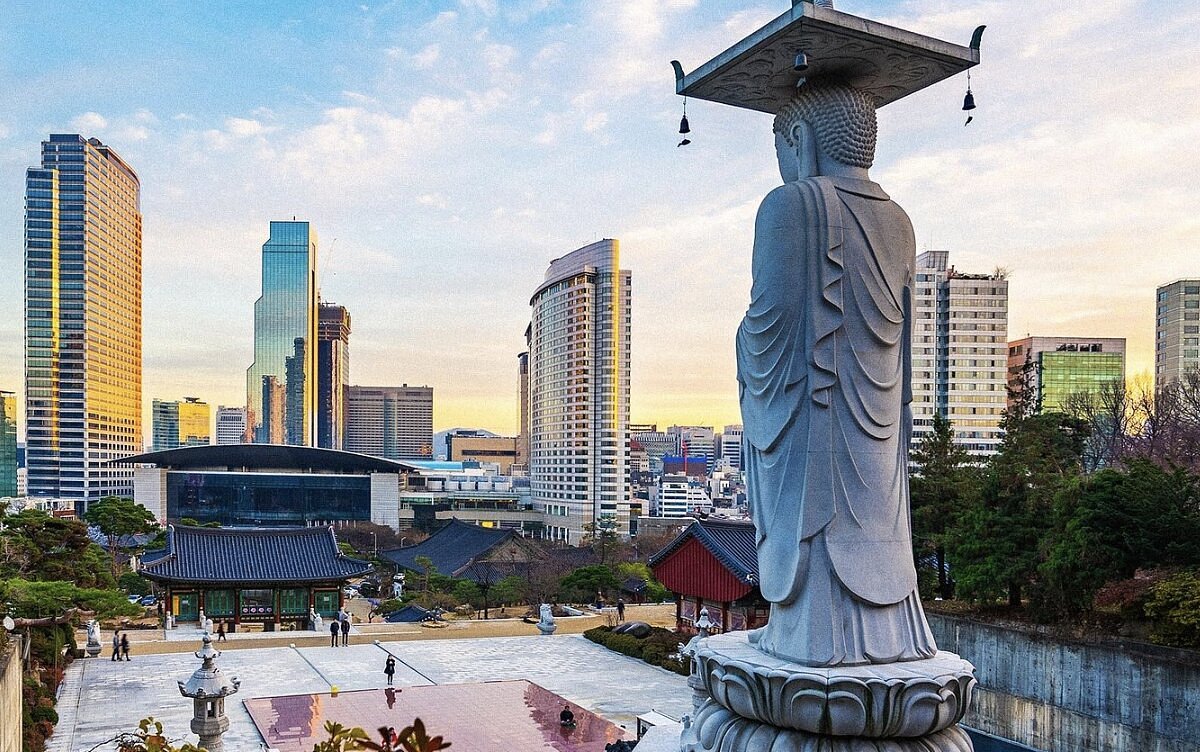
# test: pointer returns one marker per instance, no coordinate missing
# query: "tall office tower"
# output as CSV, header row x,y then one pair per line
x,y
1176,330
333,374
523,403
231,425
83,320
8,444
280,392
730,447
695,442
959,352
579,393
176,424
1058,368
394,422
658,444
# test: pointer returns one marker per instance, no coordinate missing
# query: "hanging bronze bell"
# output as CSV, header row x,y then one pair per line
x,y
968,101
683,125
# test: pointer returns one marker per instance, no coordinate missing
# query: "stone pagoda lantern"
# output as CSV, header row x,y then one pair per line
x,y
208,688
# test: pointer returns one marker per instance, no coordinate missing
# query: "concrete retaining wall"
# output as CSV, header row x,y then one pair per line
x,y
10,696
1068,697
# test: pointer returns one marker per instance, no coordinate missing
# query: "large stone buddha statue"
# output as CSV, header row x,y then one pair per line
x,y
825,386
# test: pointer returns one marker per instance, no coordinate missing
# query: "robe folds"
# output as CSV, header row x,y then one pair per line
x,y
824,372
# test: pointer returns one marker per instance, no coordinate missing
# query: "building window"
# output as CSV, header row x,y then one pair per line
x,y
218,603
293,601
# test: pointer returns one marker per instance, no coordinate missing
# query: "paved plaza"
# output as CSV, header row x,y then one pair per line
x,y
101,698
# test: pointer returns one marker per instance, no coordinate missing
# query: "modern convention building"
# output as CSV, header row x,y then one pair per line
x,y
252,579
1058,370
268,485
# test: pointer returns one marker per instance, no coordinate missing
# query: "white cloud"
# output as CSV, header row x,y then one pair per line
x,y
487,7
595,122
244,127
89,121
427,57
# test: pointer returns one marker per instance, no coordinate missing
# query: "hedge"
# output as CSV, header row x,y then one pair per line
x,y
655,649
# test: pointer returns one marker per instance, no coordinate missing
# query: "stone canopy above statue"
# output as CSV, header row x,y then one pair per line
x,y
761,72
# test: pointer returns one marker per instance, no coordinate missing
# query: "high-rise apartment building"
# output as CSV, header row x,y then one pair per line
x,y
1058,368
579,393
394,422
8,444
1176,330
333,374
231,425
176,424
281,383
959,352
83,320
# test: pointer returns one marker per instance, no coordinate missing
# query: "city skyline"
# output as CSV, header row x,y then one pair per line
x,y
375,139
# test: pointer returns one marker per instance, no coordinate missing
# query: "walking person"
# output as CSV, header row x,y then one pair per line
x,y
333,633
125,646
346,630
389,668
221,632
116,656
620,609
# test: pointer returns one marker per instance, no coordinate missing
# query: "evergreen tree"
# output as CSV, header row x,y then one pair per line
x,y
939,487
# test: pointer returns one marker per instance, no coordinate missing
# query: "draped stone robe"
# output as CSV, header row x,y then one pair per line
x,y
825,384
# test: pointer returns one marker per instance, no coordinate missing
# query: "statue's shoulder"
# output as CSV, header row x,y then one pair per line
x,y
799,195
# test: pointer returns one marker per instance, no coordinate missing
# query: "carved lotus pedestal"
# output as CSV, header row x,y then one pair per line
x,y
759,703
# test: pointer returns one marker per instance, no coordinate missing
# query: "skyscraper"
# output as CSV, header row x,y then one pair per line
x,y
731,446
83,320
231,425
8,444
394,422
1061,367
959,352
523,407
280,391
333,373
579,393
176,424
1176,330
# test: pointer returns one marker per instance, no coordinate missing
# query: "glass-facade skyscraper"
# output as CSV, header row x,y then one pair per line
x,y
579,393
280,384
83,320
8,444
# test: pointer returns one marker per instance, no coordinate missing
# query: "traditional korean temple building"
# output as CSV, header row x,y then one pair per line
x,y
473,552
713,564
252,578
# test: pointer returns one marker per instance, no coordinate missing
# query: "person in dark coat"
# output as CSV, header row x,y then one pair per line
x,y
389,668
566,718
620,609
221,632
116,656
125,646
346,630
333,633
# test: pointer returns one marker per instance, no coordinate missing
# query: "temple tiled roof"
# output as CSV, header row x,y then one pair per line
x,y
451,549
262,555
730,541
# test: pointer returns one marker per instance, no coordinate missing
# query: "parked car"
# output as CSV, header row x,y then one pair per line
x,y
368,589
149,600
134,597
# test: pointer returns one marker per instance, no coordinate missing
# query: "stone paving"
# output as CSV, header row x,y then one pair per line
x,y
101,698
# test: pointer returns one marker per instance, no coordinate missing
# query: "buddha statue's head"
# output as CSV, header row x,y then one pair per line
x,y
826,129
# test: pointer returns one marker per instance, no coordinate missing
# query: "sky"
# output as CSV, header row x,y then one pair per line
x,y
446,151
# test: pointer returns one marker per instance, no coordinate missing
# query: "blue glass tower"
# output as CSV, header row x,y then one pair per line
x,y
280,393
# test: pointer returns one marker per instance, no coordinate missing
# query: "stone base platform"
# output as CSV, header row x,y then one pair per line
x,y
717,729
907,700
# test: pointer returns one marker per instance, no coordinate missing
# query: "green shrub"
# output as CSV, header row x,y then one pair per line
x,y
654,649
1174,605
